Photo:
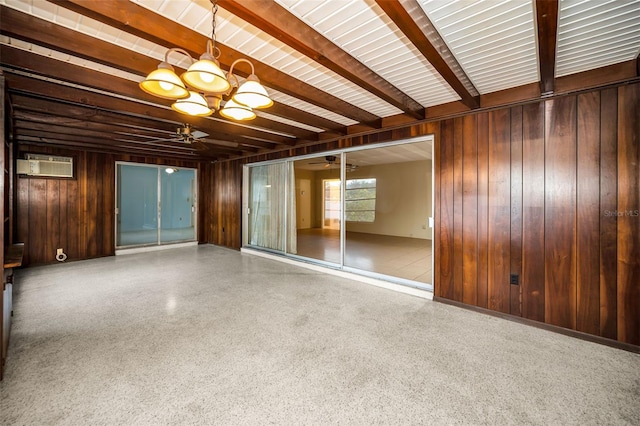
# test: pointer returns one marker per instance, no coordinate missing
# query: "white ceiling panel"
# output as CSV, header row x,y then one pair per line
x,y
244,37
68,58
494,41
594,34
362,29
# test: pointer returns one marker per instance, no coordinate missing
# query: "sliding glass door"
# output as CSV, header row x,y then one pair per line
x,y
364,210
154,205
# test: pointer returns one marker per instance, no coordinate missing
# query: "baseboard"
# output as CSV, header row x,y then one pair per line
x,y
554,328
134,250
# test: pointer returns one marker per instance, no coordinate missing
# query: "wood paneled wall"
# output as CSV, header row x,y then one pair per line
x,y
548,191
74,214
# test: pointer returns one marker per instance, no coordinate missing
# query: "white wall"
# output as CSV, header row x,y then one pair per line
x,y
403,199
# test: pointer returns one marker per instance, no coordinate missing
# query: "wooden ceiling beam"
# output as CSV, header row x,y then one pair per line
x,y
58,132
38,141
40,110
139,21
409,27
276,21
29,28
43,111
547,32
18,24
110,147
18,83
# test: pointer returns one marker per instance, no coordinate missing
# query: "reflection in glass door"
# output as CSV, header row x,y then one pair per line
x,y
331,204
154,205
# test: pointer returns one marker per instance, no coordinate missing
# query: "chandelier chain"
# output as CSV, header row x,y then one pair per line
x,y
214,10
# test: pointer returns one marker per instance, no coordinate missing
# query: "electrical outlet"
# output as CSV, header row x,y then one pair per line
x,y
515,279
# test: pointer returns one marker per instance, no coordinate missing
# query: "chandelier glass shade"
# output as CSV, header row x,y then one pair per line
x,y
206,76
195,105
237,111
204,86
164,83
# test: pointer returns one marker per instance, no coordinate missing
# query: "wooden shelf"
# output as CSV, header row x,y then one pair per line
x,y
13,255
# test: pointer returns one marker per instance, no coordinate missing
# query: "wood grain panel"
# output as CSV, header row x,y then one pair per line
x,y
37,218
470,210
435,129
499,210
588,214
64,224
628,213
23,208
91,205
52,236
609,222
560,212
226,226
107,209
483,210
533,230
73,206
446,251
457,209
515,250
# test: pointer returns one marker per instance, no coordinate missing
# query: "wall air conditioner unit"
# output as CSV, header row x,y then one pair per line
x,y
45,166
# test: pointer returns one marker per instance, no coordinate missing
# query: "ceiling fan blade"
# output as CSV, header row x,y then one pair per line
x,y
199,145
173,139
199,135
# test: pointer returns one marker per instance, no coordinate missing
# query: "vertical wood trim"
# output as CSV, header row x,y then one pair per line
x,y
91,203
609,222
516,209
52,234
499,210
446,210
38,217
3,214
560,212
457,210
64,224
629,214
588,214
81,206
108,206
470,210
436,208
23,213
73,230
483,210
533,275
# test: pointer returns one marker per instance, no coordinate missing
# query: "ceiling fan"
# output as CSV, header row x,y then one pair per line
x,y
330,160
185,134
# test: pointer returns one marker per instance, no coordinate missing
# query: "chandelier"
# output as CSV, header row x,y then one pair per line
x,y
201,89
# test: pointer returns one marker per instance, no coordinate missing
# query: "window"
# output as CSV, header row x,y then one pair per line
x,y
360,200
